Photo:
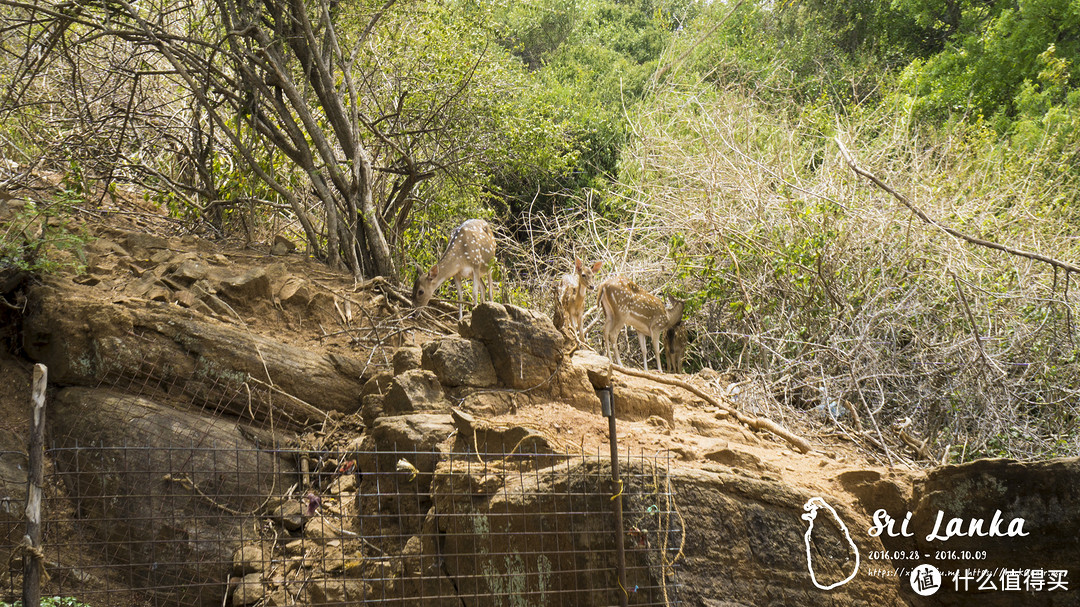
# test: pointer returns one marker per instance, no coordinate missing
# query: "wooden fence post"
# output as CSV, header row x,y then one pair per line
x,y
32,561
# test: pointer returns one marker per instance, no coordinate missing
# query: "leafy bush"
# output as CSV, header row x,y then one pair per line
x,y
39,238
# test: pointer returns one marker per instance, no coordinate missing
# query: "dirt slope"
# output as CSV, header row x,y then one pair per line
x,y
138,260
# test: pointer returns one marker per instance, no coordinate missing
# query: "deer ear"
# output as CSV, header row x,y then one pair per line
x,y
577,263
596,266
433,272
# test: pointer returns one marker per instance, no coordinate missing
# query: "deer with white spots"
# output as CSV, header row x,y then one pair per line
x,y
570,305
625,303
469,254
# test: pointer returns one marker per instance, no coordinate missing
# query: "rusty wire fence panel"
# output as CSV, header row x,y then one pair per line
x,y
210,525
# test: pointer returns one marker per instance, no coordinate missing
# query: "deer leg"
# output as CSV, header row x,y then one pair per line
x,y
656,350
644,350
611,335
460,305
481,289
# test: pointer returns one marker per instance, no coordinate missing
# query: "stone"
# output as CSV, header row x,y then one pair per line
x,y
416,436
331,591
244,287
83,339
735,458
126,502
484,403
396,495
512,538
134,241
525,348
282,246
407,358
637,399
493,441
459,362
733,521
278,598
378,385
415,391
185,298
248,559
289,515
295,291
159,293
371,408
874,490
1044,495
324,529
249,590
189,271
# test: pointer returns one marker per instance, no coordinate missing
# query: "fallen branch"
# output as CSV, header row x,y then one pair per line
x,y
754,423
1067,267
975,328
922,450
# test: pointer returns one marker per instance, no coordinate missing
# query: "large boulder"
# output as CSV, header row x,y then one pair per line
x,y
85,341
1037,500
745,541
168,490
415,391
396,460
635,398
460,362
546,537
525,347
530,355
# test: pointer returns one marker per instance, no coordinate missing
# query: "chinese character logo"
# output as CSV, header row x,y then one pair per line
x,y
925,580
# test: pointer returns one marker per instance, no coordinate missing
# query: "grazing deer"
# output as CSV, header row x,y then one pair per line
x,y
675,346
625,303
469,254
570,305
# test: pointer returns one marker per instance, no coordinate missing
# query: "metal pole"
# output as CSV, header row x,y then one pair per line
x,y
606,398
32,555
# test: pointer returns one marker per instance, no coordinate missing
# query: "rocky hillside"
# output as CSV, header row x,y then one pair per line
x,y
166,336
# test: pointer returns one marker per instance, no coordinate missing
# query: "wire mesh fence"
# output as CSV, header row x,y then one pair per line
x,y
210,524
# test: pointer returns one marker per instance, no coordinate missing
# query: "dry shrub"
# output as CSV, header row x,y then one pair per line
x,y
804,274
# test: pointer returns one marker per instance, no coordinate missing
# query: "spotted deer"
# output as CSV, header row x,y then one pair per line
x,y
570,302
469,254
625,303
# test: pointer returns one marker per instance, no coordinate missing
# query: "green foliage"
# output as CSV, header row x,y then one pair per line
x,y
803,49
40,239
592,60
995,52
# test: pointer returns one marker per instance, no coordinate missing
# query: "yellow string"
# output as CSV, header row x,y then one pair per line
x,y
619,494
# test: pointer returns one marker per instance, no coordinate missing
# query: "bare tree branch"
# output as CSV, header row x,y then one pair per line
x,y
1068,267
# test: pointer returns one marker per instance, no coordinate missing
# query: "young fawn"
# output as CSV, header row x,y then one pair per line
x,y
625,303
675,346
570,302
469,254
